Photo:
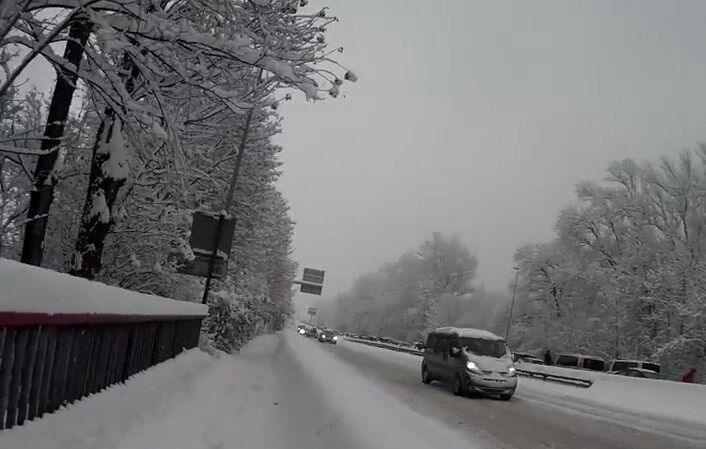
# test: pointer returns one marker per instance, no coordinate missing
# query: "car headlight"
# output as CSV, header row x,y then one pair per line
x,y
512,372
302,331
335,338
473,367
323,336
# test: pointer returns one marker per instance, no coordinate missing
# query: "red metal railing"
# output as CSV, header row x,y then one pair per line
x,y
49,360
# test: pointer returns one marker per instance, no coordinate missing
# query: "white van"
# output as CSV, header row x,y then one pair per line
x,y
470,360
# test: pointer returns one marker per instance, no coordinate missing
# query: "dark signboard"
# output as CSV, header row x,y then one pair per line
x,y
314,289
203,233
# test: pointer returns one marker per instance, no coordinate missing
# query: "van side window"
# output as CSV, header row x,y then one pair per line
x,y
431,341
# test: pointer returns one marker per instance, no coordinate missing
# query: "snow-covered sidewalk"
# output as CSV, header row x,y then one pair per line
x,y
281,391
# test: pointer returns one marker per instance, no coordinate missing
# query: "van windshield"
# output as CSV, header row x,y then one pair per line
x,y
480,346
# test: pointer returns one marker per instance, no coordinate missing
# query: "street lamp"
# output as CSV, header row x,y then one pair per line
x,y
512,303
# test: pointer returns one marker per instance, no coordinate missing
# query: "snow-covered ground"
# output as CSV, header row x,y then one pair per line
x,y
281,391
659,399
24,288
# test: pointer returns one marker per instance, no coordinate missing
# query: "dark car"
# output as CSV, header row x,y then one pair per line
x,y
328,336
312,332
470,360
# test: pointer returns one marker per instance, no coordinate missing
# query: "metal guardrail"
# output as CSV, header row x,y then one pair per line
x,y
389,346
576,381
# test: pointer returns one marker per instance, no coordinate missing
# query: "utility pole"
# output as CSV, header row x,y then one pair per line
x,y
229,197
512,303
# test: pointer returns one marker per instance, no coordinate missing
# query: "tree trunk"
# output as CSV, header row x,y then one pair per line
x,y
95,226
95,222
44,181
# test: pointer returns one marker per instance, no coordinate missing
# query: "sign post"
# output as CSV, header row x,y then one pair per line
x,y
312,313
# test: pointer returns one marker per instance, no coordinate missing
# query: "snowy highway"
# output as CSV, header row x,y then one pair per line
x,y
284,391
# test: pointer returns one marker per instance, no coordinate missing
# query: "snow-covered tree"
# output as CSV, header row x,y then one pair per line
x,y
625,276
423,289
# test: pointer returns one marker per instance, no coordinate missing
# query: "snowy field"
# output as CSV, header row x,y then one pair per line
x,y
281,391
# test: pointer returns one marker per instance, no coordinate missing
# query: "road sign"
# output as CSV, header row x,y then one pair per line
x,y
312,276
312,313
311,288
204,229
312,281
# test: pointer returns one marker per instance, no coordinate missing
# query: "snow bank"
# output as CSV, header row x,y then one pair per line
x,y
102,420
24,288
660,399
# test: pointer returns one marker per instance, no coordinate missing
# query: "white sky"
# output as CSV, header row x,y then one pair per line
x,y
479,118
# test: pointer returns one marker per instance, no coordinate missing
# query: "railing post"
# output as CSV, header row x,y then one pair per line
x,y
6,365
44,402
61,368
27,374
37,375
16,381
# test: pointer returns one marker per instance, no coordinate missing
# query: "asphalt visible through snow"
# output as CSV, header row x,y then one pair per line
x,y
528,421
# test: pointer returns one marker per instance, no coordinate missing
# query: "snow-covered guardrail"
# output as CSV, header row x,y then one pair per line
x,y
63,338
390,346
531,370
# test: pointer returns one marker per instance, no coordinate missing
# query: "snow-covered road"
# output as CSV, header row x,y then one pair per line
x,y
540,415
286,391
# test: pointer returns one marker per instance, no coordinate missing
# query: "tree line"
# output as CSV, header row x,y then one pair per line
x,y
429,287
152,103
625,276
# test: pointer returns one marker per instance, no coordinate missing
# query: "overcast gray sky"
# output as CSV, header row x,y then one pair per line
x,y
479,118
